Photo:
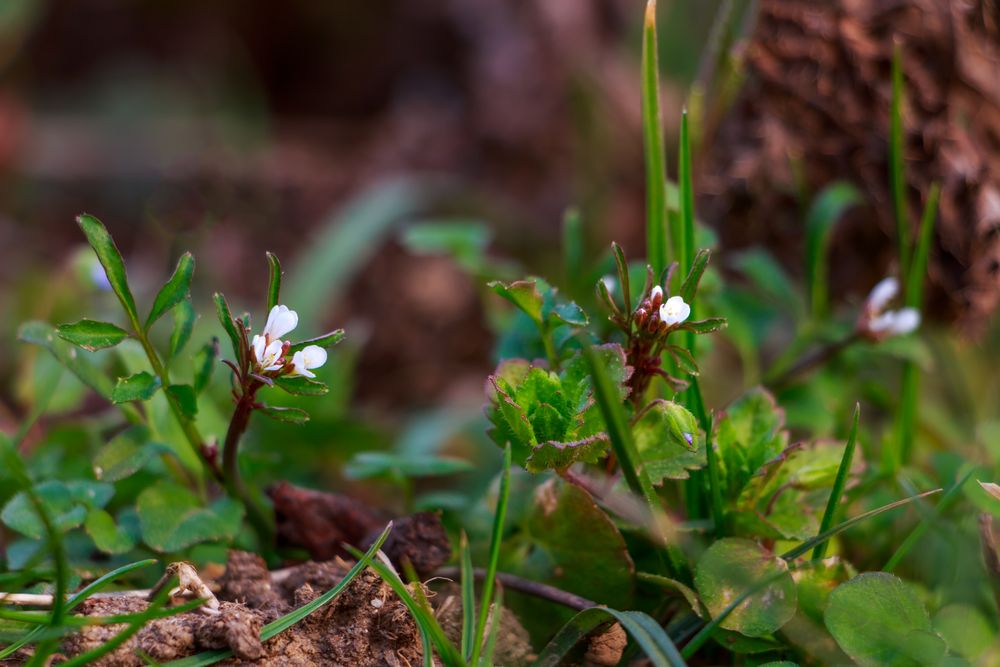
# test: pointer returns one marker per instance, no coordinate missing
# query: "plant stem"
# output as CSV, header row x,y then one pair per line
x,y
813,359
231,468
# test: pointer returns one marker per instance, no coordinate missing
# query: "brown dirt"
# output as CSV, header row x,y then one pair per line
x,y
367,625
513,645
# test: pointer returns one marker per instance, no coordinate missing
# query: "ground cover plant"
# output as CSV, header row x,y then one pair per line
x,y
607,509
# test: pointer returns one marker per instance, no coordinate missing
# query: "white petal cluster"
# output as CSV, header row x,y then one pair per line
x,y
884,322
674,311
269,349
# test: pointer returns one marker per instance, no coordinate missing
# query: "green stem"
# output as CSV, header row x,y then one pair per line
x,y
813,359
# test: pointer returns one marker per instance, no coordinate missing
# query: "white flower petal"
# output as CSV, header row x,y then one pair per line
x,y
313,356
883,322
884,292
258,345
656,291
280,321
674,311
906,321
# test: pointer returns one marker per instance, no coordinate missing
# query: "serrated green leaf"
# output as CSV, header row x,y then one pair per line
x,y
184,318
283,414
301,385
173,519
273,281
109,257
749,434
668,442
138,387
126,453
107,535
67,504
877,620
730,567
326,340
174,291
91,334
186,398
573,538
555,455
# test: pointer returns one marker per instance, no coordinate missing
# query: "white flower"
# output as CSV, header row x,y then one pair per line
x,y
674,311
309,357
657,291
895,322
884,292
280,321
267,354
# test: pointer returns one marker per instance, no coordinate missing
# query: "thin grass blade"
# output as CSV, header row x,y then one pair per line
x,y
652,135
491,569
643,629
273,281
468,595
838,485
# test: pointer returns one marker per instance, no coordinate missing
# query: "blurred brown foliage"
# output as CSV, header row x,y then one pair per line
x,y
817,95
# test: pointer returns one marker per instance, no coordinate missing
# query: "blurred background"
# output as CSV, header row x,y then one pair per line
x,y
321,130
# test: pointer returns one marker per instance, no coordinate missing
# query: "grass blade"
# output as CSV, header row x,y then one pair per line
x,y
897,170
76,599
491,568
491,642
273,281
652,136
644,630
918,531
918,269
838,485
468,595
841,527
422,616
288,620
828,207
714,488
684,234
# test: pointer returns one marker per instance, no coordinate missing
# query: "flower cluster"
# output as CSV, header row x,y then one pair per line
x,y
877,323
656,316
270,352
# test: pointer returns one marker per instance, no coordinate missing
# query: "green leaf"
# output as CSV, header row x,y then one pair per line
x,y
366,465
689,288
878,620
668,441
66,503
965,629
572,539
174,291
273,281
204,364
138,387
684,359
172,518
300,385
555,455
91,334
731,566
229,325
570,313
464,241
44,335
281,414
748,435
126,453
184,318
108,536
828,207
683,230
524,294
705,326
838,485
652,140
646,632
326,340
109,257
185,397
